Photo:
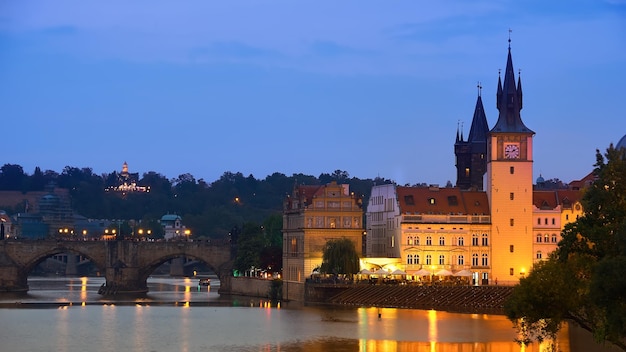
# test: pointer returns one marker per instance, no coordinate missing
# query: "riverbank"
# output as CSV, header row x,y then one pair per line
x,y
460,299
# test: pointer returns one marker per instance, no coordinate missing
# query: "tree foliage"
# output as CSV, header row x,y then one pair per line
x,y
340,257
208,209
584,281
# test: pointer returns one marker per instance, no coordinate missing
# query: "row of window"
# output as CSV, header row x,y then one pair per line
x,y
456,241
414,259
545,221
547,238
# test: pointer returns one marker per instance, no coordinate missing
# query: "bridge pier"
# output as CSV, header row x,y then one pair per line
x,y
122,271
12,280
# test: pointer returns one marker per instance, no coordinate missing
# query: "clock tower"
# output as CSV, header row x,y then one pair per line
x,y
509,183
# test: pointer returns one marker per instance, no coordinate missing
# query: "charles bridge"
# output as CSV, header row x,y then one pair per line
x,y
126,264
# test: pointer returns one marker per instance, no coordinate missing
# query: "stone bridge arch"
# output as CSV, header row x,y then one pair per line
x,y
19,258
126,264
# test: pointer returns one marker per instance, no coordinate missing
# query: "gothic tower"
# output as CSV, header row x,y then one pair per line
x,y
509,183
471,155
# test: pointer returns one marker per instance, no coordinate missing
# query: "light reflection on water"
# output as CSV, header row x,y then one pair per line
x,y
178,314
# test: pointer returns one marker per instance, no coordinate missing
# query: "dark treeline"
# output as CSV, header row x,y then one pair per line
x,y
209,209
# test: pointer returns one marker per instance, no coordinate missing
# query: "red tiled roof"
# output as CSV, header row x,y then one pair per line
x,y
449,200
551,199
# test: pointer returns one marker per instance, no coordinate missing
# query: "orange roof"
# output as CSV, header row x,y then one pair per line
x,y
434,200
551,199
584,182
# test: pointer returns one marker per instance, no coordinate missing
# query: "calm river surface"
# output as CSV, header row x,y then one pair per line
x,y
67,314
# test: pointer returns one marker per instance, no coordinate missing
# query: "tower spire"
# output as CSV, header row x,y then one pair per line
x,y
509,100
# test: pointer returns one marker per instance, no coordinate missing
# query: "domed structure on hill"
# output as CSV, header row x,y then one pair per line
x,y
621,143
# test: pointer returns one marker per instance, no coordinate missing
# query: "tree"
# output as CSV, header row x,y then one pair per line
x,y
584,281
340,257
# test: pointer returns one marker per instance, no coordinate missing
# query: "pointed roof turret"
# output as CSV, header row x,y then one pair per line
x,y
480,128
509,100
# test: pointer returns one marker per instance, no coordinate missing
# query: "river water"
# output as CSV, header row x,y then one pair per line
x,y
67,314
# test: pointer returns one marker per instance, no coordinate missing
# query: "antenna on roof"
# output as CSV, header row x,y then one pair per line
x,y
479,88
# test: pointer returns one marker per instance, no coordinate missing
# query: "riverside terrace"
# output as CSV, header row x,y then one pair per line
x,y
462,299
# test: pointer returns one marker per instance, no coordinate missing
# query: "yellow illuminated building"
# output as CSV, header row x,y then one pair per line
x,y
313,215
493,236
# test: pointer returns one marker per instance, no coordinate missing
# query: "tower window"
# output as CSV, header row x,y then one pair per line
x,y
467,172
511,248
512,170
512,195
511,272
512,222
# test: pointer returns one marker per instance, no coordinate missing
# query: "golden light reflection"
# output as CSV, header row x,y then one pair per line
x,y
83,289
432,325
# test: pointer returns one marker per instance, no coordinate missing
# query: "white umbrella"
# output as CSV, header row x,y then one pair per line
x,y
463,272
365,272
381,271
443,272
422,272
398,272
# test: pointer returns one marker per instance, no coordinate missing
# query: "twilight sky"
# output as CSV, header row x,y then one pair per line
x,y
375,88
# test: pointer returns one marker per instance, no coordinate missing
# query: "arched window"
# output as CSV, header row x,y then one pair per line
x,y
475,259
546,238
485,240
554,238
416,241
539,238
442,241
474,240
539,255
461,260
429,260
416,259
485,261
461,241
429,241
409,240
409,259
442,259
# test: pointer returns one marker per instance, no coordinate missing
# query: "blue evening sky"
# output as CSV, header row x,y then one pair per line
x,y
375,88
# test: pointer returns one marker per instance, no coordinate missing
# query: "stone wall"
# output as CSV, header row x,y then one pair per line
x,y
249,286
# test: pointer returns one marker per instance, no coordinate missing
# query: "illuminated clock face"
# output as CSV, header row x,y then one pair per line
x,y
511,151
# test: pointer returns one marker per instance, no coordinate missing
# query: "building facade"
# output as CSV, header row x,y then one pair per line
x,y
313,215
493,236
